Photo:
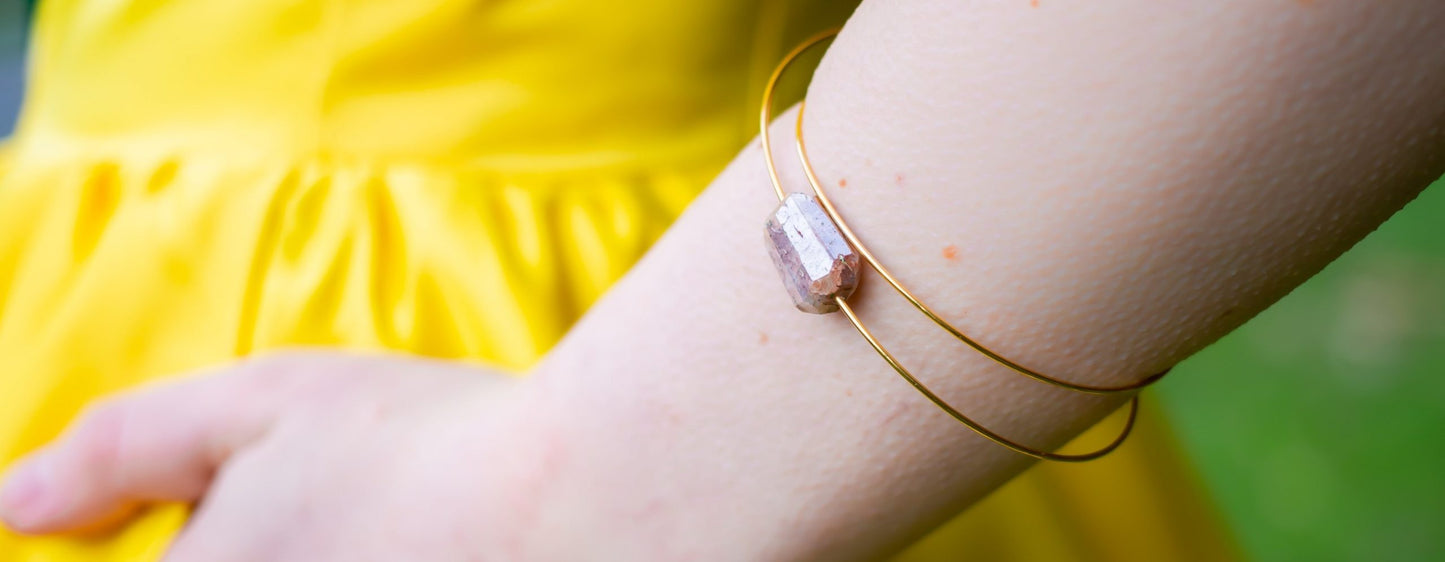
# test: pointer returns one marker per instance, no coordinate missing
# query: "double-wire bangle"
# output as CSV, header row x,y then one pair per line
x,y
814,250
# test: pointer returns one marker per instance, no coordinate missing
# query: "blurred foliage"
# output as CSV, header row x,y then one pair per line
x,y
12,46
1314,425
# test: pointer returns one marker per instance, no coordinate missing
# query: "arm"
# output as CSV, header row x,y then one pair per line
x,y
1120,184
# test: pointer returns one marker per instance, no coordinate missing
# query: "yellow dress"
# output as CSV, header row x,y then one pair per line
x,y
198,181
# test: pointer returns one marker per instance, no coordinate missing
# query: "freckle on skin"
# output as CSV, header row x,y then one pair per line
x,y
842,182
893,415
648,511
898,179
1034,3
762,338
950,252
374,412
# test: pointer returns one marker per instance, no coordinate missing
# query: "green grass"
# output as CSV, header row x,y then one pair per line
x,y
1320,425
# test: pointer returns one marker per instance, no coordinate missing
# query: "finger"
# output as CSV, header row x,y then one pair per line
x,y
157,444
239,520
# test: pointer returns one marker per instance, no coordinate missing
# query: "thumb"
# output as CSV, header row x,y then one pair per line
x,y
162,443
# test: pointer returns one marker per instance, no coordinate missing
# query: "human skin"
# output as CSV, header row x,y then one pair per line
x,y
1096,190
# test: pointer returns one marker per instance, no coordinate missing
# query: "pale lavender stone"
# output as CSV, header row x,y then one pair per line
x,y
816,263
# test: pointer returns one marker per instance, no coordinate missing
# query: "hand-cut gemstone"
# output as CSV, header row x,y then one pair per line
x,y
816,263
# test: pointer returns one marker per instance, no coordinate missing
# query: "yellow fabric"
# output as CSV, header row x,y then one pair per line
x,y
198,181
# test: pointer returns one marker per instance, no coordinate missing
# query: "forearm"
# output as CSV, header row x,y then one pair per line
x,y
1096,191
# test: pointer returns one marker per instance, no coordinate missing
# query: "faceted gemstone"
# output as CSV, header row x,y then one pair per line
x,y
816,263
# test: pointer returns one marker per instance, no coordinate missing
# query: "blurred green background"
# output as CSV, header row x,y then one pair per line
x,y
12,43
1319,427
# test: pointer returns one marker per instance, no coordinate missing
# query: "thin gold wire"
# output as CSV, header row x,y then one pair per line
x,y
764,119
873,262
975,426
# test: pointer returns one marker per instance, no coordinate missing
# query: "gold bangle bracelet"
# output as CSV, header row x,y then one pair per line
x,y
840,302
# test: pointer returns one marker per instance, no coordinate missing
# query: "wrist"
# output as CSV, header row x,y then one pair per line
x,y
554,487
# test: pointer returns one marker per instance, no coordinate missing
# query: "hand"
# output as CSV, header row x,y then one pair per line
x,y
292,457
